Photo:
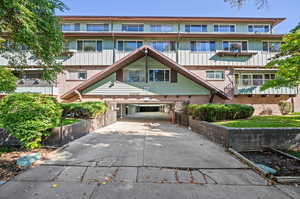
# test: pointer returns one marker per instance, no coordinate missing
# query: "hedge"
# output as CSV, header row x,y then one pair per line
x,y
216,112
29,116
84,110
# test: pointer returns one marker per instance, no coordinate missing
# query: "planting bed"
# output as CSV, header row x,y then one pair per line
x,y
287,167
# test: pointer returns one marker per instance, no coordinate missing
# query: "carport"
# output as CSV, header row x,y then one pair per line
x,y
145,110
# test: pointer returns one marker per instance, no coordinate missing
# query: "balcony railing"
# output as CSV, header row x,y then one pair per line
x,y
252,87
36,86
184,57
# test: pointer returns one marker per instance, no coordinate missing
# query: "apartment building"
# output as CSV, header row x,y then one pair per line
x,y
135,61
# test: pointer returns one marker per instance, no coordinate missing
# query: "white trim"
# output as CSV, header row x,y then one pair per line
x,y
89,40
259,25
215,70
164,75
207,25
117,47
76,71
97,23
163,24
149,42
132,24
269,41
236,41
225,24
190,43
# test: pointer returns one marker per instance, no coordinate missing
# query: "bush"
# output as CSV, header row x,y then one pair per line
x,y
285,107
28,116
84,110
215,112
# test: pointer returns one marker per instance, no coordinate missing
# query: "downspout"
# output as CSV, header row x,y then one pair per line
x,y
177,43
113,38
79,95
146,64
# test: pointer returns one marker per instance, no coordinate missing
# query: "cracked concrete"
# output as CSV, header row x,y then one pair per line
x,y
138,159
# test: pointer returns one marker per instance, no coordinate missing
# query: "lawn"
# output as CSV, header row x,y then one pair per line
x,y
68,121
275,121
296,154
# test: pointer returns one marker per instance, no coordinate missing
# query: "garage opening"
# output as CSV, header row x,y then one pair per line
x,y
145,111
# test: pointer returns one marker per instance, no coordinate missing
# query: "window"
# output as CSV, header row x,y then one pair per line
x,y
129,45
235,46
195,28
271,46
97,27
161,28
203,46
89,45
70,27
135,75
159,75
224,28
254,79
215,75
133,27
164,46
77,75
258,28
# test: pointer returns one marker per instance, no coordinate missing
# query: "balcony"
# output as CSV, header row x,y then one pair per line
x,y
254,88
36,86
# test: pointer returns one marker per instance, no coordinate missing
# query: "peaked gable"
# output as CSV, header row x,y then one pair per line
x,y
134,56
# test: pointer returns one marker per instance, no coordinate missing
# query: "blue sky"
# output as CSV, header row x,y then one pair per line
x,y
202,8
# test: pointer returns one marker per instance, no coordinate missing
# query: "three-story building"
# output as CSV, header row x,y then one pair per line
x,y
166,60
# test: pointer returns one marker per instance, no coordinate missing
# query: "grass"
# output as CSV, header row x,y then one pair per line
x,y
296,154
264,122
295,113
68,121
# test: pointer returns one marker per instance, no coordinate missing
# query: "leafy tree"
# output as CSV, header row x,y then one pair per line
x,y
33,33
287,61
7,81
239,3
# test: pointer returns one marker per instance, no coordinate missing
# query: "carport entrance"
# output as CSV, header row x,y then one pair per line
x,y
145,111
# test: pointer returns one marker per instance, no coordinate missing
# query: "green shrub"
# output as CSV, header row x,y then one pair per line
x,y
285,107
28,116
83,110
215,112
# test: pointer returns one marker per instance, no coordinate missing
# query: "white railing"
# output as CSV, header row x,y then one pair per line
x,y
186,57
255,85
104,57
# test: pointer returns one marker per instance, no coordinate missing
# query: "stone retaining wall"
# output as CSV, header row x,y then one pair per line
x,y
243,139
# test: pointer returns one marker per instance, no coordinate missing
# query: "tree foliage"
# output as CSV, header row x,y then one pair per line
x,y
7,81
287,61
31,24
28,116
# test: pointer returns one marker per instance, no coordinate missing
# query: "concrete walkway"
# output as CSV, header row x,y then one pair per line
x,y
140,159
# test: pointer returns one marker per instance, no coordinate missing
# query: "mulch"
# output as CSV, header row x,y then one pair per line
x,y
8,161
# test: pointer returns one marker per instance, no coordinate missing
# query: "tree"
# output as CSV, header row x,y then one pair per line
x,y
7,81
239,3
287,61
29,32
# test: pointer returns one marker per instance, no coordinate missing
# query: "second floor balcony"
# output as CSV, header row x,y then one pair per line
x,y
250,84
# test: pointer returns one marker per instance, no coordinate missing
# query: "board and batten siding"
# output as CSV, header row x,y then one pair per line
x,y
109,85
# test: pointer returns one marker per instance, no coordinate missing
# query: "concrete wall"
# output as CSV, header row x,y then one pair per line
x,y
243,139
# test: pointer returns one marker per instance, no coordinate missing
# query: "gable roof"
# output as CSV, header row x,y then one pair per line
x,y
134,56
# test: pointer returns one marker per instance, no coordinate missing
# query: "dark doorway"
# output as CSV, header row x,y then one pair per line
x,y
149,109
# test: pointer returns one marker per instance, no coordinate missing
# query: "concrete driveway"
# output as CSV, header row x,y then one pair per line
x,y
143,159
